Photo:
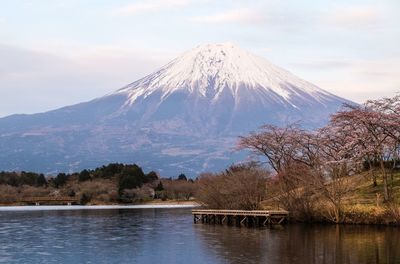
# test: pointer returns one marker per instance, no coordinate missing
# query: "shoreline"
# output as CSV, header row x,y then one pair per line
x,y
152,205
169,205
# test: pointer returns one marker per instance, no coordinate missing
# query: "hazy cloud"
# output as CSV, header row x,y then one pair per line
x,y
34,81
147,6
323,64
359,79
241,16
356,17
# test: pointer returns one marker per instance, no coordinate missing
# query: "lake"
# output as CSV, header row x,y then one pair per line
x,y
166,235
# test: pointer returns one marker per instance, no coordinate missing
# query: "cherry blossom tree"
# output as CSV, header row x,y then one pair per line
x,y
279,145
374,132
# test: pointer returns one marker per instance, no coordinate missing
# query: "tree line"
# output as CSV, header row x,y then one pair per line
x,y
357,137
22,178
112,183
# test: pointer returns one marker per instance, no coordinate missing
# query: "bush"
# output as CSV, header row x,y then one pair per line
x,y
142,194
178,189
240,187
101,190
84,199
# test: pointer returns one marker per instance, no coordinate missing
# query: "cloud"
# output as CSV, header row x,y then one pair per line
x,y
35,81
240,16
330,64
355,79
356,17
147,6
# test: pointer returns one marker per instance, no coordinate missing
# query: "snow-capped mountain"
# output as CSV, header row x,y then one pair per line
x,y
185,117
210,71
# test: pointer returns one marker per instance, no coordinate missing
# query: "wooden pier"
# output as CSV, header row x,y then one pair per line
x,y
50,200
240,217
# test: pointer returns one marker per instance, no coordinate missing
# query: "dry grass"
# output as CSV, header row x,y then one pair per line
x,y
363,205
366,214
8,194
100,191
31,191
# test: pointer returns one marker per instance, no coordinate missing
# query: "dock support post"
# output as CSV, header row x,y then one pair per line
x,y
238,217
243,221
223,220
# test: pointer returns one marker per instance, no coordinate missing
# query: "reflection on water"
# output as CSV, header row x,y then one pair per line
x,y
304,244
169,236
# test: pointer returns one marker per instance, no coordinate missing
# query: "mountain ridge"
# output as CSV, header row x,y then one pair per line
x,y
184,117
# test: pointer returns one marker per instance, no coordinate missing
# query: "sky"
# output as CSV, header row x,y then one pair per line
x,y
55,53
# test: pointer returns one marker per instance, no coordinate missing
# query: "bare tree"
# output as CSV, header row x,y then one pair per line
x,y
240,187
179,189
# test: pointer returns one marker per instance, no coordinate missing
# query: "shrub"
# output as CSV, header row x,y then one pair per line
x,y
240,187
102,190
84,199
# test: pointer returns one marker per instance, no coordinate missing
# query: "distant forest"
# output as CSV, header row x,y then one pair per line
x,y
112,183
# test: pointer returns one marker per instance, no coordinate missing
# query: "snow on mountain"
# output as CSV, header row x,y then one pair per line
x,y
208,70
185,117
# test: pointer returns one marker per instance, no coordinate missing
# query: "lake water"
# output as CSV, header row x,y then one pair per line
x,y
169,236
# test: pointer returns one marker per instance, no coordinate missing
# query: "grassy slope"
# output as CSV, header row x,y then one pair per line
x,y
364,204
368,194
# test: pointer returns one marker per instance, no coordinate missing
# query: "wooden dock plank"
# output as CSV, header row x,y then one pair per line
x,y
241,212
244,217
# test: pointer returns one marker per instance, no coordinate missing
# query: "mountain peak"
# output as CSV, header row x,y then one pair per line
x,y
212,69
217,50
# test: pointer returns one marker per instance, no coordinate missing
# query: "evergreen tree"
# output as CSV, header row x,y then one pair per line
x,y
84,176
60,180
151,176
131,177
41,180
182,177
